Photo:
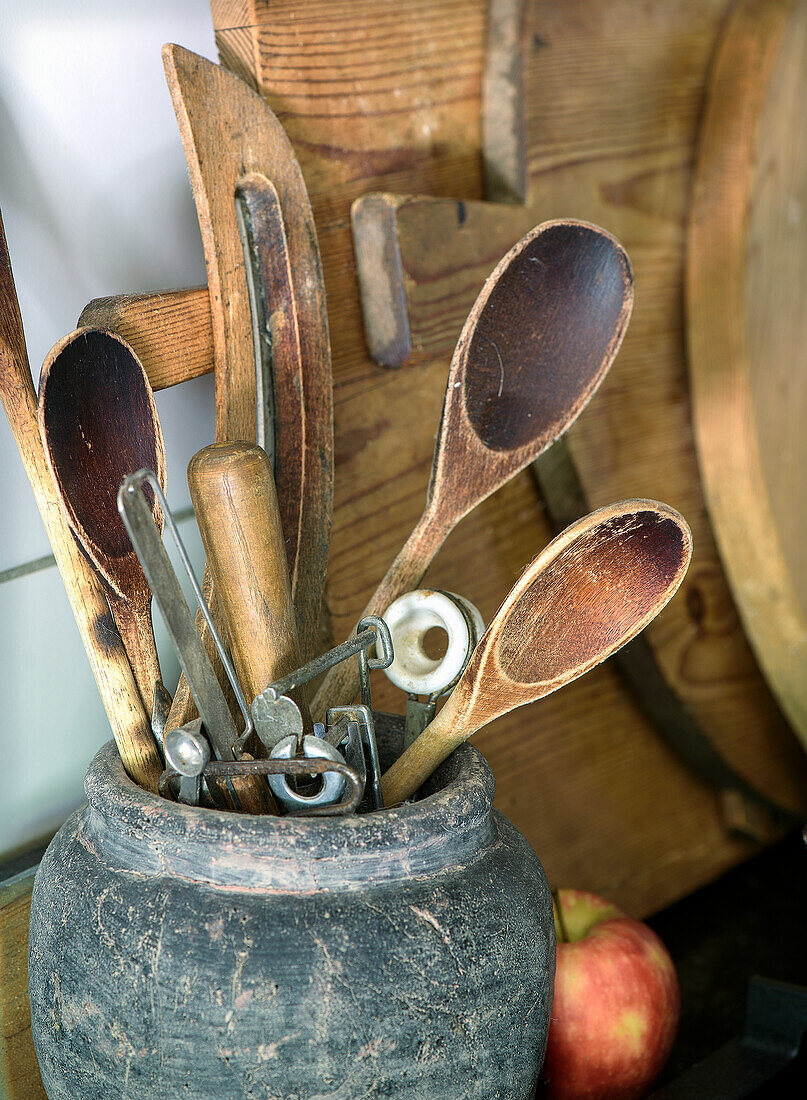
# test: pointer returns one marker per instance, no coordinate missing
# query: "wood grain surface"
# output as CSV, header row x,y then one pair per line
x,y
235,147
99,423
171,333
19,1071
747,329
235,502
388,97
538,341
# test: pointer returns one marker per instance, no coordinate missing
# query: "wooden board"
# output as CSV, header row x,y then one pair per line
x,y
747,327
19,1071
613,95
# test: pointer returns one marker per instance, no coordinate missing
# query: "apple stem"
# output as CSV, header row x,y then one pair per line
x,y
564,935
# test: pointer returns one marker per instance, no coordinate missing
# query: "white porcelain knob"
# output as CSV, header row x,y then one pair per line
x,y
409,619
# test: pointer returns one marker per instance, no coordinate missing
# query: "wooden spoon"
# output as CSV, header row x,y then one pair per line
x,y
537,343
107,656
588,593
99,423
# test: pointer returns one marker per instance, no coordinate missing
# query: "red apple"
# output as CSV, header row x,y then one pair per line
x,y
617,1003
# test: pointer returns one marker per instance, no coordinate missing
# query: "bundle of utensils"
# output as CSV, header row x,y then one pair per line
x,y
242,733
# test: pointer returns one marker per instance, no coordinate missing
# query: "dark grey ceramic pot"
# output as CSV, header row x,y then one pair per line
x,y
183,952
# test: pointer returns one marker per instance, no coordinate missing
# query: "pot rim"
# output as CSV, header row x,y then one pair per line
x,y
140,831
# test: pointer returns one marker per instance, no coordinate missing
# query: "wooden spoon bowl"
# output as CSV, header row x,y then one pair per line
x,y
99,423
586,595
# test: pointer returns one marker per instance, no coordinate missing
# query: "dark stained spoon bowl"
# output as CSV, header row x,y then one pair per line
x,y
99,423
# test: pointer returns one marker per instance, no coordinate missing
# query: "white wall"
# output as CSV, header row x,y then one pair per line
x,y
95,199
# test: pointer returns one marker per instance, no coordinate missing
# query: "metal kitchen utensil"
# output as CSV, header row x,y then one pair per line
x,y
157,567
588,593
276,716
160,709
384,659
312,748
539,340
410,618
242,770
99,423
353,729
187,751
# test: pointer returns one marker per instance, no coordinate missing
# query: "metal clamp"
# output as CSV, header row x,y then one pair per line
x,y
355,726
333,782
235,769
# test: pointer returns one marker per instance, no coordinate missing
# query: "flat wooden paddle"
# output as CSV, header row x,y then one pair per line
x,y
252,201
236,507
99,423
127,716
537,343
589,592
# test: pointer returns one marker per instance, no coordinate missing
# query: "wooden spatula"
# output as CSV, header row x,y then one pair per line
x,y
588,593
240,159
110,665
537,343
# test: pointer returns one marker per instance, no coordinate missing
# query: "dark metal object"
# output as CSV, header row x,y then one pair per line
x,y
358,727
187,752
558,483
160,709
384,639
775,1027
236,769
162,579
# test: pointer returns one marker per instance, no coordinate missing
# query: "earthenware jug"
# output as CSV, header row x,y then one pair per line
x,y
187,952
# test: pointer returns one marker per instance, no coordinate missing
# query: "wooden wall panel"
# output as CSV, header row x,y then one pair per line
x,y
380,96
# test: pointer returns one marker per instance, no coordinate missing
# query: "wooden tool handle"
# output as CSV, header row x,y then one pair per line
x,y
233,494
116,684
443,734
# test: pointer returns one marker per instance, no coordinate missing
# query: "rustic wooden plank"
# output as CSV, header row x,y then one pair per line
x,y
19,1071
171,333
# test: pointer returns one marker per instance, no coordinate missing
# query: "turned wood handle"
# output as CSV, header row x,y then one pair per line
x,y
233,494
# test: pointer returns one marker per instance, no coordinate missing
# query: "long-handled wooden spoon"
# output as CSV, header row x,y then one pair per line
x,y
537,343
108,659
588,593
99,423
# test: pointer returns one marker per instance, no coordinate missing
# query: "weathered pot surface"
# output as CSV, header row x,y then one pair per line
x,y
185,952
